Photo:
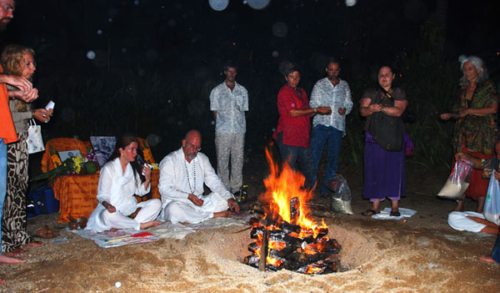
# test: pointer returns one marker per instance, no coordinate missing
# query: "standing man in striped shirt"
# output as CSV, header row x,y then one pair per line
x,y
332,92
228,102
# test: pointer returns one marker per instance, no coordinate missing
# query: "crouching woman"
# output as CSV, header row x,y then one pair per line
x,y
473,221
121,178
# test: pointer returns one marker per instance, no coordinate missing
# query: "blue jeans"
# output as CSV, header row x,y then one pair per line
x,y
495,254
292,154
332,137
3,180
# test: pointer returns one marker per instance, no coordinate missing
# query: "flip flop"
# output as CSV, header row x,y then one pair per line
x,y
46,232
369,213
395,214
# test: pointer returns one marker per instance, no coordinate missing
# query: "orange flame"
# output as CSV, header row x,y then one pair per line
x,y
280,189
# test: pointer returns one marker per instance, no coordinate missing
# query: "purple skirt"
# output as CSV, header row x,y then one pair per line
x,y
384,172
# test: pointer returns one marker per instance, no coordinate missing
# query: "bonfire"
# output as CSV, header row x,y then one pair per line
x,y
287,236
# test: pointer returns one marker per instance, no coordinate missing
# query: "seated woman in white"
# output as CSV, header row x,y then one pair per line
x,y
120,179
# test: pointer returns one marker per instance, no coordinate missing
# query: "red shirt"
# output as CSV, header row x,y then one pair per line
x,y
296,130
7,129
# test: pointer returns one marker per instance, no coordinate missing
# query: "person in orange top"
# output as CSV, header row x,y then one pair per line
x,y
7,130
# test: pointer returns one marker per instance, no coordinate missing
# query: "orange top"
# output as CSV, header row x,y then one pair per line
x,y
7,129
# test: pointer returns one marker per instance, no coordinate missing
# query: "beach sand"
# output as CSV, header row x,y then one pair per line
x,y
419,254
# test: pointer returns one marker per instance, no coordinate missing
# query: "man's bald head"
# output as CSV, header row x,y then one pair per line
x,y
191,144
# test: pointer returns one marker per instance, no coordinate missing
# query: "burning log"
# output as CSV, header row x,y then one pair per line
x,y
252,260
263,250
289,228
253,247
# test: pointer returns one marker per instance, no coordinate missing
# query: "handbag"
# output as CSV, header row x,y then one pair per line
x,y
409,146
34,141
387,131
492,201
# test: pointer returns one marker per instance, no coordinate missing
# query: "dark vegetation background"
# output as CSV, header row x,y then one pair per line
x,y
156,62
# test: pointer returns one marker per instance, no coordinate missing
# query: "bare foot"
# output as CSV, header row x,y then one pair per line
x,y
225,214
10,260
113,230
16,252
34,244
150,224
485,258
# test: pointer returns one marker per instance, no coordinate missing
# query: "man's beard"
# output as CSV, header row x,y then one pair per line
x,y
3,23
191,156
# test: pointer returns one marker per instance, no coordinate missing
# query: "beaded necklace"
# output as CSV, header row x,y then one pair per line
x,y
192,188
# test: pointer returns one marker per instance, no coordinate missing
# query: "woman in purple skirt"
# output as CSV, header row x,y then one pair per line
x,y
384,171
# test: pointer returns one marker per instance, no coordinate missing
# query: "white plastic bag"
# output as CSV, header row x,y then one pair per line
x,y
34,141
459,180
492,202
341,197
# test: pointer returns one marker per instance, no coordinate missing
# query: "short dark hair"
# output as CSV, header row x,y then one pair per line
x,y
290,68
332,60
230,64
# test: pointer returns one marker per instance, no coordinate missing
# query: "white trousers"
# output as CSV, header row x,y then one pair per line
x,y
230,146
184,211
149,211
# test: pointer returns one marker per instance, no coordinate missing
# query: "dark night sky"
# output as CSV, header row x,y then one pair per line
x,y
155,34
185,42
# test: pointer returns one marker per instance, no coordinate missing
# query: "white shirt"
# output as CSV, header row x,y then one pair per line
x,y
175,185
117,188
324,94
230,107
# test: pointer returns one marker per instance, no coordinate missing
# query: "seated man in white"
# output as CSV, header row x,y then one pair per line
x,y
182,175
119,180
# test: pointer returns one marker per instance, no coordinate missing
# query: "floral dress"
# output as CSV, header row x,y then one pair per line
x,y
476,133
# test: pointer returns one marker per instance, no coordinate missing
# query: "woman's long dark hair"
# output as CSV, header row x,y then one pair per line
x,y
124,142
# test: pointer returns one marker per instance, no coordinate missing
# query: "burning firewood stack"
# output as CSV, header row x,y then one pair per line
x,y
286,238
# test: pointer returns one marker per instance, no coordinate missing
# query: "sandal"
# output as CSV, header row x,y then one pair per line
x,y
45,232
395,214
369,213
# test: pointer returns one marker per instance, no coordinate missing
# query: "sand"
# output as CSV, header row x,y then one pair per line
x,y
419,254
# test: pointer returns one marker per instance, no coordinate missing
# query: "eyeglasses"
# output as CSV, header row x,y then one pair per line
x,y
194,147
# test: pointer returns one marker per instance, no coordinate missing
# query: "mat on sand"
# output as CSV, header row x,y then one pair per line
x,y
122,237
385,214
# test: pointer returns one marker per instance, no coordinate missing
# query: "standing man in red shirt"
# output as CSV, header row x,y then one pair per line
x,y
294,125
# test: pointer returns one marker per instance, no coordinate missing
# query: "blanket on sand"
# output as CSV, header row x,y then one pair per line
x,y
108,239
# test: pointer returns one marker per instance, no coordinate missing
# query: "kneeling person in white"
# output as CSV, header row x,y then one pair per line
x,y
182,175
119,180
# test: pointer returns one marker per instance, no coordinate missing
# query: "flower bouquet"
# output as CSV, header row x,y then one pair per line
x,y
72,166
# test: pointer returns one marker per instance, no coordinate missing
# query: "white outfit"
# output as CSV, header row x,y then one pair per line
x,y
460,222
230,128
118,188
178,179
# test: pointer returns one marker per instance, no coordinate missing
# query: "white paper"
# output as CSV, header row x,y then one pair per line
x,y
50,105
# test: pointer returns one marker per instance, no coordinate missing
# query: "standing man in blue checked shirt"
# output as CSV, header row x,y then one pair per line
x,y
228,102
331,92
